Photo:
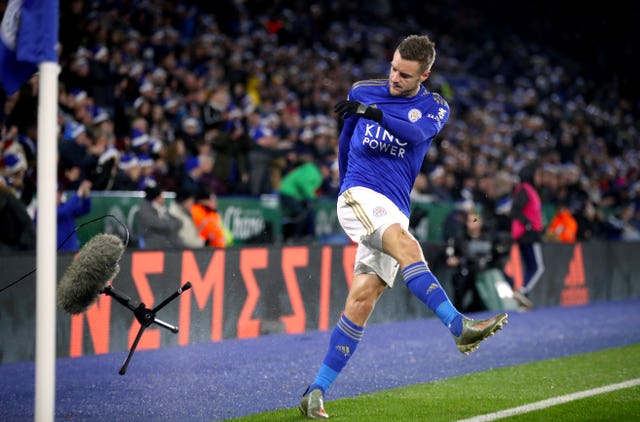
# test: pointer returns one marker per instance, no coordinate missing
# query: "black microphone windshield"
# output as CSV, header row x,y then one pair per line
x,y
86,277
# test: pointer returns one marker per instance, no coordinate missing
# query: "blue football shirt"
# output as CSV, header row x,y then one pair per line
x,y
387,157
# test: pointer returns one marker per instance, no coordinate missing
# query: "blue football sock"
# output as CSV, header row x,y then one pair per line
x,y
343,342
422,283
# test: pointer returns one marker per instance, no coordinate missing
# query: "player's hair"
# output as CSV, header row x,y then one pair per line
x,y
418,48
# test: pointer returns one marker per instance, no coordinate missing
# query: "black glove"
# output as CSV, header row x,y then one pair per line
x,y
349,108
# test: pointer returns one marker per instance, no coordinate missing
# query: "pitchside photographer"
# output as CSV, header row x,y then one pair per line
x,y
471,252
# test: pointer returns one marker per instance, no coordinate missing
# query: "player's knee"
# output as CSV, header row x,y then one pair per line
x,y
411,250
401,244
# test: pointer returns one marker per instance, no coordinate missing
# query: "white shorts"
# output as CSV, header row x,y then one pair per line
x,y
364,216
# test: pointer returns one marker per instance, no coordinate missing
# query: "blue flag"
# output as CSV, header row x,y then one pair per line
x,y
28,37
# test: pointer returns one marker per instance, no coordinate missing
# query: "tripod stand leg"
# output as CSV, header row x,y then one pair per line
x,y
123,369
163,324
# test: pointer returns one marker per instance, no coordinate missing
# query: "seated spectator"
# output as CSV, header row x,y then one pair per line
x,y
127,174
437,186
73,155
622,225
191,134
591,222
106,170
208,220
330,179
198,175
146,177
102,161
420,189
16,175
157,229
209,179
68,210
181,209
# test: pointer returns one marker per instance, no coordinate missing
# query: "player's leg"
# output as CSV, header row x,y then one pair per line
x,y
467,333
365,291
400,244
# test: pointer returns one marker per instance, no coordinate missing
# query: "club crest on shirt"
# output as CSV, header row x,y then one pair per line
x,y
379,212
414,115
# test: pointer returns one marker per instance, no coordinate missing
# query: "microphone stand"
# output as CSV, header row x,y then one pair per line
x,y
144,315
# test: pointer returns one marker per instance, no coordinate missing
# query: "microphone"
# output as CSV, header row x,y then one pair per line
x,y
88,275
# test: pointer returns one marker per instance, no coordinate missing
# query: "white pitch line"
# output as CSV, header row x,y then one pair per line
x,y
552,402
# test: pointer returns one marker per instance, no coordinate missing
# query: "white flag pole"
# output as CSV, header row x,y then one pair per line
x,y
47,161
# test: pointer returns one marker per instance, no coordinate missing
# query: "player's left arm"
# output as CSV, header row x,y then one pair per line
x,y
426,127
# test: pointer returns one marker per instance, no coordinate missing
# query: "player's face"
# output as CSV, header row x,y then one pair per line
x,y
405,76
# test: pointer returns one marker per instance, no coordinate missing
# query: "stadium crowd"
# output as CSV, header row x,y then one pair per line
x,y
227,98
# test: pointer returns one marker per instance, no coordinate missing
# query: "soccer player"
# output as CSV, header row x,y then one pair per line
x,y
388,127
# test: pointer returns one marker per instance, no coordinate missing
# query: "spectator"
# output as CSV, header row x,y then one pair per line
x,y
623,225
102,161
330,179
146,177
437,186
297,197
68,211
231,165
191,135
157,229
181,209
208,179
265,156
74,155
420,190
229,140
591,223
140,140
209,221
198,175
103,78
15,172
127,174
17,229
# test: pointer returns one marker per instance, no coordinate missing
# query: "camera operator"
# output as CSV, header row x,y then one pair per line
x,y
469,253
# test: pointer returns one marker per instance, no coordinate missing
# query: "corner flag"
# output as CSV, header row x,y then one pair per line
x,y
28,37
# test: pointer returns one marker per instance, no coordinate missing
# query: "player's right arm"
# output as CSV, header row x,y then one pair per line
x,y
344,143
